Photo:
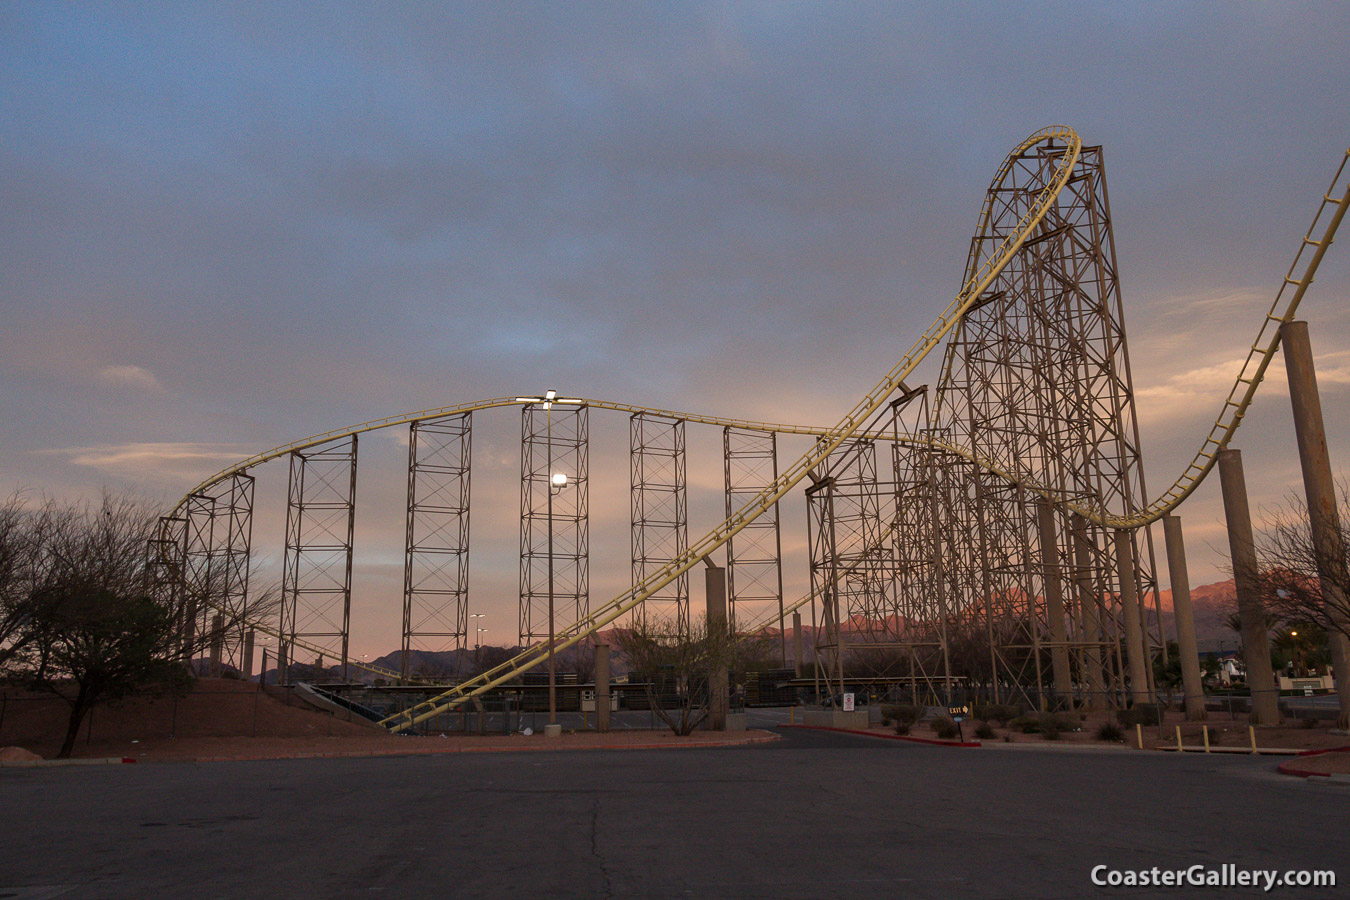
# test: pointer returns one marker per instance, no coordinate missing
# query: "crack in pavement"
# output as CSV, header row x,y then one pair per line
x,y
595,848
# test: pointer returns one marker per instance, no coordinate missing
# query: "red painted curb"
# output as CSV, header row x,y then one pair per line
x,y
449,751
1288,769
889,737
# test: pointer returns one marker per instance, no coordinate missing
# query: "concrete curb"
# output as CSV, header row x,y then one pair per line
x,y
888,737
1060,748
748,740
38,763
1288,768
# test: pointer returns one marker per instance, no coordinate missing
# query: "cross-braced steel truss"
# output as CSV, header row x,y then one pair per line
x,y
754,555
659,514
554,519
436,558
1036,378
317,576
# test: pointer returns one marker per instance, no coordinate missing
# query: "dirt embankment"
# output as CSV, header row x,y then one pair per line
x,y
223,719
217,713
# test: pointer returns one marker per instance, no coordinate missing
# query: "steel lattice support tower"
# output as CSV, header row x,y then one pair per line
x,y
317,574
166,572
234,552
754,556
200,574
561,434
850,557
659,513
436,558
1036,379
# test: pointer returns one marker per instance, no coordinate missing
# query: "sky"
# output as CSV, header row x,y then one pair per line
x,y
225,227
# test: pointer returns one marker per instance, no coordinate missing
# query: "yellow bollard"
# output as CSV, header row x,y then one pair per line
x,y
792,715
1205,730
1251,730
1178,738
1139,734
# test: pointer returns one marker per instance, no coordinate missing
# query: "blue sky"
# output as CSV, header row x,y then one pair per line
x,y
223,227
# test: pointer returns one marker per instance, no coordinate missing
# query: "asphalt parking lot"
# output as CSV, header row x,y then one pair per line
x,y
815,815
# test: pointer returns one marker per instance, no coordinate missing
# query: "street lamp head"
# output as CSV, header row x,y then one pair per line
x,y
559,480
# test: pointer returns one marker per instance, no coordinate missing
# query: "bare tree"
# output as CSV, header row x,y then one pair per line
x,y
1295,570
681,662
86,620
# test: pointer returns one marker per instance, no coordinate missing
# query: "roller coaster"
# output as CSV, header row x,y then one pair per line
x,y
1005,537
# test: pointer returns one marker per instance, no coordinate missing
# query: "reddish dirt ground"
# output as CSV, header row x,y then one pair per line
x,y
225,719
1223,732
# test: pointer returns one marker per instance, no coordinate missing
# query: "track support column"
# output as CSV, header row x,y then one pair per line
x,y
1320,489
719,639
1255,634
1089,605
1054,603
602,687
1136,657
1192,684
797,642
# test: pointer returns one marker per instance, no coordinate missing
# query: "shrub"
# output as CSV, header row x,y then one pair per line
x,y
901,713
945,728
1002,713
1109,731
984,732
1309,723
1051,734
902,728
1138,715
1025,724
1048,722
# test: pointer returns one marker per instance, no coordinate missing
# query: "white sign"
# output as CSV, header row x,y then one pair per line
x,y
848,703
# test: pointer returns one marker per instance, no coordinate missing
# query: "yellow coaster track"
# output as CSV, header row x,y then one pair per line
x,y
1292,289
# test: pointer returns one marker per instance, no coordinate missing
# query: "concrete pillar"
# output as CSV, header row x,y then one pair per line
x,y
1320,491
1088,603
797,641
217,641
602,687
246,672
715,582
1255,634
1054,603
1192,684
1136,653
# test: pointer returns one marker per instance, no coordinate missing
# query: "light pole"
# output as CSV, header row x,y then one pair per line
x,y
476,642
557,481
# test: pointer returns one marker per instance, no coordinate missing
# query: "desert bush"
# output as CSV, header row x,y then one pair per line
x,y
901,713
984,731
945,728
902,728
1060,721
1002,713
1109,731
1025,724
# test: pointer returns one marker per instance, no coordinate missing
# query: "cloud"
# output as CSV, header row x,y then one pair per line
x,y
1181,394
130,378
163,461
